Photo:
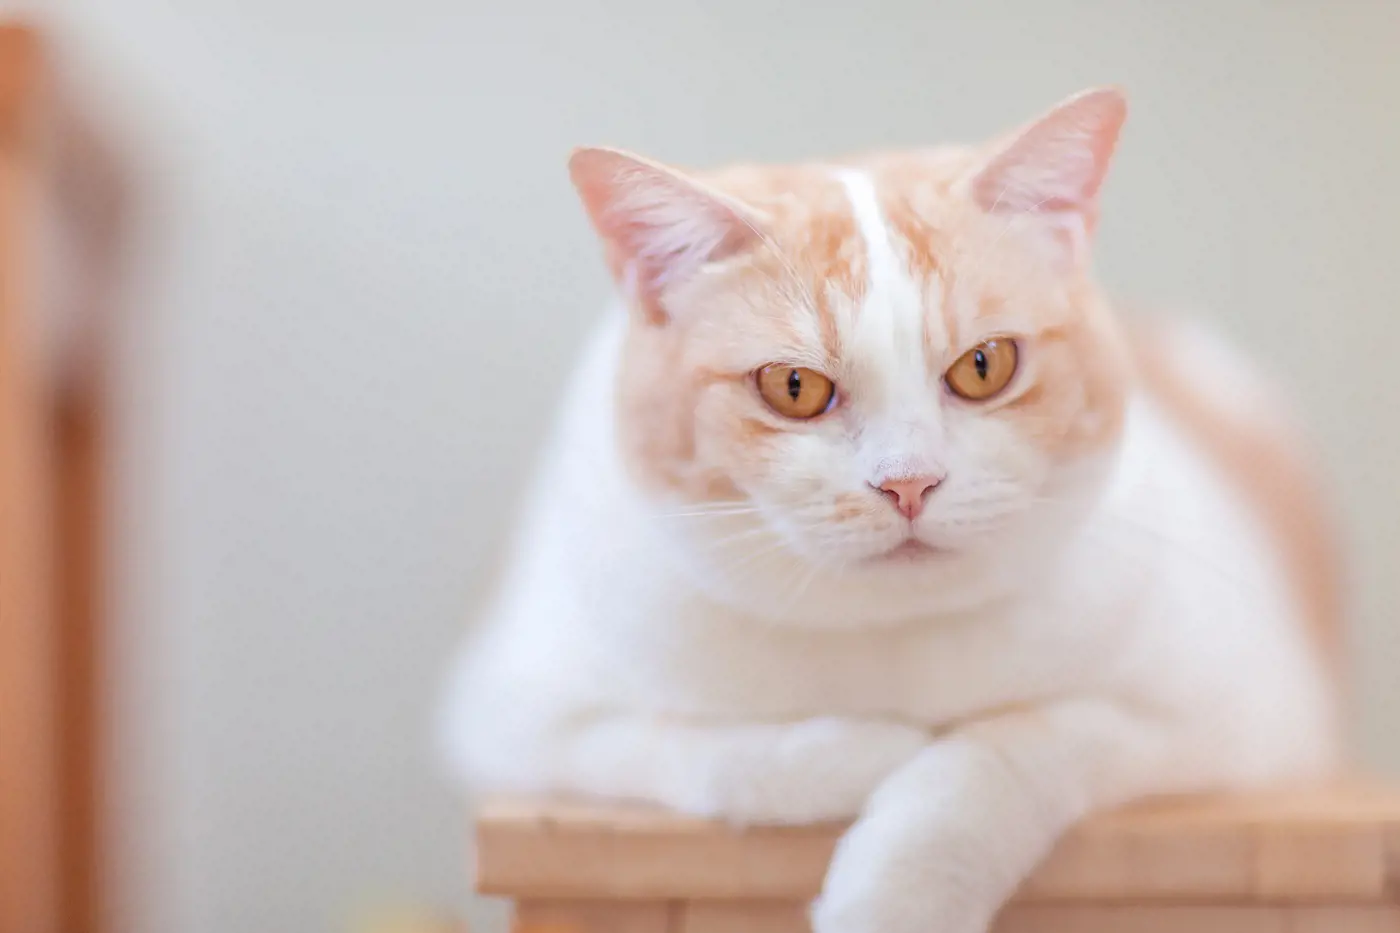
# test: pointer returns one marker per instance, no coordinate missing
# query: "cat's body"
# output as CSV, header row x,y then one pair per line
x,y
1095,609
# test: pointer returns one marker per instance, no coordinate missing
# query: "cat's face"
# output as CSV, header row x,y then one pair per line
x,y
893,366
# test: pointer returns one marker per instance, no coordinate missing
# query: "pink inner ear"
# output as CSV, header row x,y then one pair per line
x,y
659,227
1056,166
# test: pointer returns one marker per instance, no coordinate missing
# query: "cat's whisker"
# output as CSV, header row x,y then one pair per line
x,y
714,504
1239,585
795,585
701,509
707,513
987,253
741,573
745,569
1000,194
810,301
728,541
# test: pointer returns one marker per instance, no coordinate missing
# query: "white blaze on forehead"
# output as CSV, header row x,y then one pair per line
x,y
889,330
886,345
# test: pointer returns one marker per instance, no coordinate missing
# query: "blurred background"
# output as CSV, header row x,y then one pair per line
x,y
355,277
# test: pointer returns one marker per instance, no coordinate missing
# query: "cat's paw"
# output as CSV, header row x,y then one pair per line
x,y
882,880
812,771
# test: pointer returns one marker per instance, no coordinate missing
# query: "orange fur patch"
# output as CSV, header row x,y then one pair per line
x,y
814,233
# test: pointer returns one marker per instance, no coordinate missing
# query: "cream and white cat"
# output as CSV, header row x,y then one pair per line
x,y
864,504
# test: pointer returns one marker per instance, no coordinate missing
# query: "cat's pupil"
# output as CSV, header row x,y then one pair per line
x,y
979,359
794,385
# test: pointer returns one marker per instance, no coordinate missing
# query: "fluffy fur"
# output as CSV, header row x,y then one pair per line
x,y
714,608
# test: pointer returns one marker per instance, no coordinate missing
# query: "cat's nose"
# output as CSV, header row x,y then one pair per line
x,y
909,493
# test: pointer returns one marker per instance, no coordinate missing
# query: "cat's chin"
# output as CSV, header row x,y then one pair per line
x,y
900,580
910,550
912,582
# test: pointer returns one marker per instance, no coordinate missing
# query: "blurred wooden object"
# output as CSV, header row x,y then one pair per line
x,y
58,214
29,807
1320,861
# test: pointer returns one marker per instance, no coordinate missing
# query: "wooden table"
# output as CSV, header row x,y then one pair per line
x,y
1311,861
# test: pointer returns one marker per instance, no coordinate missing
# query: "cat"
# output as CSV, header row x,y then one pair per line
x,y
866,504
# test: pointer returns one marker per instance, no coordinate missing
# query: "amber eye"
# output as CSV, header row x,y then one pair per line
x,y
795,391
984,370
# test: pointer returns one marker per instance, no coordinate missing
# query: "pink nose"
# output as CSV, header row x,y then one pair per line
x,y
909,494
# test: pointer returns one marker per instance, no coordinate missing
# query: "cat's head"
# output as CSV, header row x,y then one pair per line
x,y
896,371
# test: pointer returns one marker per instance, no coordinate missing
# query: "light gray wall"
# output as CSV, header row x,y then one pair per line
x,y
363,274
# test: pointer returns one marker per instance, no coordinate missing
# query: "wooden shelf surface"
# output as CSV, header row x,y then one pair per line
x,y
1335,845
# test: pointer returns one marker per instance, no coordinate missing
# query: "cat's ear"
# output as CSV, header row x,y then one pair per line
x,y
658,225
1045,179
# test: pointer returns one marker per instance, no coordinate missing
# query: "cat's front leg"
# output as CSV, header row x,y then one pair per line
x,y
949,837
806,771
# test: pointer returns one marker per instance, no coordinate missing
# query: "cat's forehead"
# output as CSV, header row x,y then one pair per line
x,y
886,249
808,215
809,212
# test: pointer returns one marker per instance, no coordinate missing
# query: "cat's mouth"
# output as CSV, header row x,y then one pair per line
x,y
908,550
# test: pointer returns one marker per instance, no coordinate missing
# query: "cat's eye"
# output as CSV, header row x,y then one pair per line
x,y
795,391
983,371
